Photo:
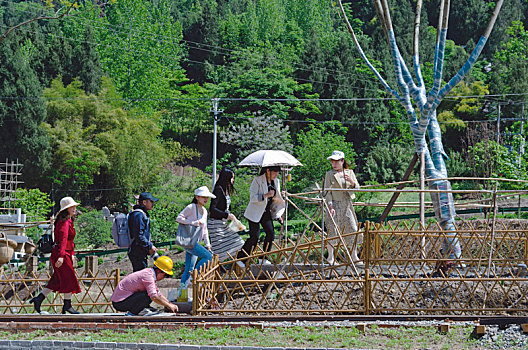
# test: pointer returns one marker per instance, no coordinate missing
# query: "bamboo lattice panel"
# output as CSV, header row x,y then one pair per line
x,y
405,271
16,289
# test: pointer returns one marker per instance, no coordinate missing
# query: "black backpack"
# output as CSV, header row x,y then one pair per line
x,y
45,243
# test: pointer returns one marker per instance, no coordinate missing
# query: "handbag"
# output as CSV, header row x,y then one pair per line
x,y
187,235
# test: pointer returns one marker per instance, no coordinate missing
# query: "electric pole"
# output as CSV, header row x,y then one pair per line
x,y
216,117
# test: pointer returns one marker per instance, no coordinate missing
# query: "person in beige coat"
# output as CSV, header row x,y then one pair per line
x,y
265,204
340,205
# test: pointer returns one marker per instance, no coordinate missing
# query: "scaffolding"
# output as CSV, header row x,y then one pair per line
x,y
9,173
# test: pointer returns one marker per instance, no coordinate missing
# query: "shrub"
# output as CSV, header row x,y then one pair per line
x,y
93,231
315,145
36,205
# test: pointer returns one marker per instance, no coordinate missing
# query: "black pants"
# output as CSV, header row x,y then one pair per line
x,y
254,232
134,303
138,263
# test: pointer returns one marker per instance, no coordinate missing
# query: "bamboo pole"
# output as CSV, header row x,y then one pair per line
x,y
422,204
366,258
395,195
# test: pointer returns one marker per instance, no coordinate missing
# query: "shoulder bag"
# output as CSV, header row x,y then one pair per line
x,y
187,235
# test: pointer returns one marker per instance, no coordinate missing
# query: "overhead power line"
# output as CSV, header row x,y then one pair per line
x,y
255,99
313,69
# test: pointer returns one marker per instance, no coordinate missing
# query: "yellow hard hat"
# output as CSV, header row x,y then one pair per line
x,y
164,263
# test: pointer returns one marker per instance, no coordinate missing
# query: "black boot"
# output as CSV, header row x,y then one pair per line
x,y
37,301
67,308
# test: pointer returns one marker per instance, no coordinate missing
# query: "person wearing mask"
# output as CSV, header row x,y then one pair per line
x,y
63,280
265,204
137,291
341,210
139,229
224,241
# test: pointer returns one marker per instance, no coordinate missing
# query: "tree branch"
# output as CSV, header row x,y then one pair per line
x,y
2,38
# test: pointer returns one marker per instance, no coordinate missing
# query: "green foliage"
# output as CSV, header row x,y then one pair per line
x,y
489,159
22,111
138,48
36,205
179,153
455,110
258,132
93,135
510,62
457,165
255,88
316,143
93,231
387,162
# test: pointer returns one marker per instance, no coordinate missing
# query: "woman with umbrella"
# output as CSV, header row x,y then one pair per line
x,y
265,204
341,211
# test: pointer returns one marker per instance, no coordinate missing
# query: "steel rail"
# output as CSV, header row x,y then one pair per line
x,y
229,319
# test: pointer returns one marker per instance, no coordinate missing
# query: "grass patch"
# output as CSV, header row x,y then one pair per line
x,y
307,337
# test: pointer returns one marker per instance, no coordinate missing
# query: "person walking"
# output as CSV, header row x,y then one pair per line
x,y
137,291
139,230
63,280
265,204
195,214
340,204
224,241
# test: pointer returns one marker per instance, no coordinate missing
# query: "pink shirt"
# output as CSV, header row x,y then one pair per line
x,y
188,217
139,281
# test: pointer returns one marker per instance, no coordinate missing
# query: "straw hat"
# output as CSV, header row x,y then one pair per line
x,y
203,192
66,203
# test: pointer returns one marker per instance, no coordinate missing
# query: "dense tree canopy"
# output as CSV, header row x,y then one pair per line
x,y
110,94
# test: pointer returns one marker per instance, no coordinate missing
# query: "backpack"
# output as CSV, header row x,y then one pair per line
x,y
45,243
120,231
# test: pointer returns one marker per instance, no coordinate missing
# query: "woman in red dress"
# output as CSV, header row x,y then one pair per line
x,y
63,279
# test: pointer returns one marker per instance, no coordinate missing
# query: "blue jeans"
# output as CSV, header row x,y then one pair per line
x,y
191,256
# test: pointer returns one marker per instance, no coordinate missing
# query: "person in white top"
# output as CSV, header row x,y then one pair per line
x,y
341,211
265,205
195,214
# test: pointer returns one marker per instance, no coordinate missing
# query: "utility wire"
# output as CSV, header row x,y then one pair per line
x,y
173,39
198,62
254,99
259,56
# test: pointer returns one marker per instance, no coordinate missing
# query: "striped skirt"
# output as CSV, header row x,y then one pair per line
x,y
224,242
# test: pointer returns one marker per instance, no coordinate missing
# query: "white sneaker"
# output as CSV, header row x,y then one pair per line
x,y
264,262
148,312
241,264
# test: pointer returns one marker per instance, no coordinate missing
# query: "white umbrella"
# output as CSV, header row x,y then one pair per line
x,y
264,158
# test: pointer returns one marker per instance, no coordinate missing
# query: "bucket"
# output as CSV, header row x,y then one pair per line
x,y
183,298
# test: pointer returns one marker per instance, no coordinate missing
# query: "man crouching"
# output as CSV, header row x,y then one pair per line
x,y
136,291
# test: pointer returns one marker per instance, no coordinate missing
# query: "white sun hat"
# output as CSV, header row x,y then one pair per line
x,y
67,202
203,192
337,155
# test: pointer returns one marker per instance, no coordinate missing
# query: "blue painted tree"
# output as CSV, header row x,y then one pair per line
x,y
421,104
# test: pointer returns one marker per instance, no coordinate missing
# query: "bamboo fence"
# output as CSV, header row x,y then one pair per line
x,y
403,269
16,289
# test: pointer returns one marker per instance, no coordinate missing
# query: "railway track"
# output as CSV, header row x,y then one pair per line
x,y
81,321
